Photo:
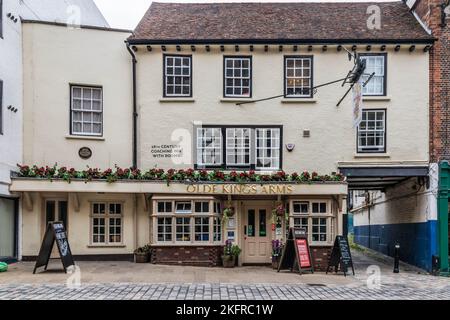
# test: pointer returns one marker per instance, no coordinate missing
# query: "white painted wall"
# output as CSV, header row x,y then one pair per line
x,y
11,71
404,203
84,57
333,138
11,74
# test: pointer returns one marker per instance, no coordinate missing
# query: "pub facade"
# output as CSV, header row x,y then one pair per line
x,y
191,146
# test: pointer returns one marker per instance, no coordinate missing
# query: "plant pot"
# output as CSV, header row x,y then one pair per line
x,y
141,257
228,261
274,264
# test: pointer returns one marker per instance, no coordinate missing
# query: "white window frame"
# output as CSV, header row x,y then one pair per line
x,y
328,215
184,210
203,148
263,148
75,110
239,150
107,216
298,72
381,148
176,77
374,63
211,215
237,75
228,131
207,224
164,233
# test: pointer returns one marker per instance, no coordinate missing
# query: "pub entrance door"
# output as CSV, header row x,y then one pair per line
x,y
257,247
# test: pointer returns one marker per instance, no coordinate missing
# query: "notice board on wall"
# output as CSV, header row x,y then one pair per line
x,y
296,252
55,232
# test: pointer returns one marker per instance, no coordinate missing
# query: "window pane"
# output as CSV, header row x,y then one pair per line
x,y
237,76
371,131
298,80
85,100
177,74
209,146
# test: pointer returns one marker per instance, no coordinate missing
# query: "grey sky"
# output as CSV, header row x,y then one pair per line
x,y
127,13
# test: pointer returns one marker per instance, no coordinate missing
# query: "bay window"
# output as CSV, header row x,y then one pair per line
x,y
190,222
316,217
244,147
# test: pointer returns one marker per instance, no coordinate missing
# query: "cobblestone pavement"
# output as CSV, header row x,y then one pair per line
x,y
218,292
125,281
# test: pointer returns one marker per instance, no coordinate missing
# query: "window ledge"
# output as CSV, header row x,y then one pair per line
x,y
372,155
236,100
187,244
112,246
376,98
299,100
94,138
181,99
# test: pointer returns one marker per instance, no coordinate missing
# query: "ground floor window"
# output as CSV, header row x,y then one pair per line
x,y
7,228
106,222
316,217
196,221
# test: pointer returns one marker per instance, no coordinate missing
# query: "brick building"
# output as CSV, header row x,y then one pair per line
x,y
435,16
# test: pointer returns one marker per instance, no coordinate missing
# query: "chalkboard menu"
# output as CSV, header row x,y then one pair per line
x,y
296,253
341,256
55,232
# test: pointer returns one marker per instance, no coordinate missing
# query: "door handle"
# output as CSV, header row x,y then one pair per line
x,y
245,230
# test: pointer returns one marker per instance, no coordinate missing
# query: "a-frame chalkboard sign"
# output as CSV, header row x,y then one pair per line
x,y
55,232
296,253
341,256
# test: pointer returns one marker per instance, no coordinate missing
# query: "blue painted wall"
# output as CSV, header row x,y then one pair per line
x,y
418,241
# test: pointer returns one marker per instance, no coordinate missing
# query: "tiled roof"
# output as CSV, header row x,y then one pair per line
x,y
276,22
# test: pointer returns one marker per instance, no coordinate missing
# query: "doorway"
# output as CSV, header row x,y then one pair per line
x,y
257,235
55,211
8,229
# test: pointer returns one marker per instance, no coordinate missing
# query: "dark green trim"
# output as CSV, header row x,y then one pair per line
x,y
443,200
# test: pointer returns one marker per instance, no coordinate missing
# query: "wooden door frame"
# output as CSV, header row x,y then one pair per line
x,y
268,205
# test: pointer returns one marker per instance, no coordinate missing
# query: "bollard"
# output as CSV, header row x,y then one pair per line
x,y
397,258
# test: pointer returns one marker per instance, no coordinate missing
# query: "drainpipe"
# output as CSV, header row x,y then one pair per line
x,y
135,114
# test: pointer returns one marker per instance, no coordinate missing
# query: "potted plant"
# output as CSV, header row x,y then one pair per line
x,y
277,249
142,254
228,258
236,252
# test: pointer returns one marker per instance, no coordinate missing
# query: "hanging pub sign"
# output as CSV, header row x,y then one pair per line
x,y
296,252
341,256
55,232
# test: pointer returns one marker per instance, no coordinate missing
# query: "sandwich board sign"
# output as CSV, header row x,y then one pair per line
x,y
296,253
55,232
341,256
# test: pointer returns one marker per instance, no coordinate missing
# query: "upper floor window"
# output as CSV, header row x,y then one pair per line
x,y
372,131
377,85
238,77
86,110
245,148
298,76
177,76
